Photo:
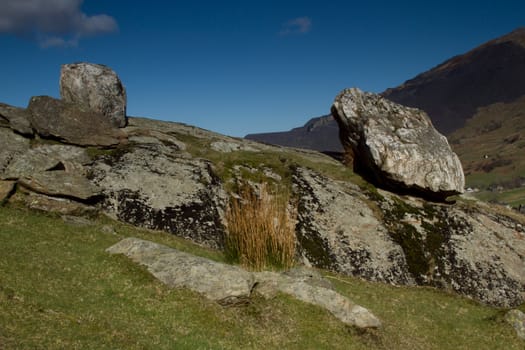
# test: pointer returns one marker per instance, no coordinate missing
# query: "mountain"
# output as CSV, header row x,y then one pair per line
x,y
450,93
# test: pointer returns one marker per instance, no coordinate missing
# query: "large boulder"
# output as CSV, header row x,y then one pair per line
x,y
94,87
396,146
56,119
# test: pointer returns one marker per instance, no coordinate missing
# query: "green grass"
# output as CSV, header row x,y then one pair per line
x,y
513,197
59,289
280,162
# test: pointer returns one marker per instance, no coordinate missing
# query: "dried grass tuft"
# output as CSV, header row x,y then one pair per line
x,y
261,229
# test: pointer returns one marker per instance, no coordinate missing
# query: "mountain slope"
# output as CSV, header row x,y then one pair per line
x,y
452,92
491,147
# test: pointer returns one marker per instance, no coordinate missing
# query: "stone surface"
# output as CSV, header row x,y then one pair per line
x,y
470,249
49,204
229,284
516,319
6,189
230,146
396,146
46,158
219,282
60,120
380,236
17,119
338,231
60,184
341,307
54,170
151,185
11,146
94,87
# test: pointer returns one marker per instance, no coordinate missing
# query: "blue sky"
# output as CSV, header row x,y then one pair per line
x,y
239,67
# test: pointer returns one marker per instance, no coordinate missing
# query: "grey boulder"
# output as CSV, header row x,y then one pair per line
x,y
396,146
94,87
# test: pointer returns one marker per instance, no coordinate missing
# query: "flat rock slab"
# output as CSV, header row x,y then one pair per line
x,y
516,318
49,204
57,119
60,183
218,282
228,284
45,158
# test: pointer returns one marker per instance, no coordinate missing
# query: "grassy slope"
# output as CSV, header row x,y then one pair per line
x,y
60,290
491,147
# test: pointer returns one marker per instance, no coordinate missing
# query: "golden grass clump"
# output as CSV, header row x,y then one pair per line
x,y
260,229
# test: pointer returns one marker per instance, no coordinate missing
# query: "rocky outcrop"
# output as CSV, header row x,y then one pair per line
x,y
153,186
396,146
165,176
60,120
94,87
384,237
338,231
229,284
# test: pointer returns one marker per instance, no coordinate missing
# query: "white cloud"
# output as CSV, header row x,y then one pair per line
x,y
299,25
52,22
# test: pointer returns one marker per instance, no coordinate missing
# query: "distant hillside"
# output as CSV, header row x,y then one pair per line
x,y
450,93
320,134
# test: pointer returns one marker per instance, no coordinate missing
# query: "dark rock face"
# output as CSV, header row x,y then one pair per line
x,y
56,119
396,146
151,186
94,87
17,119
